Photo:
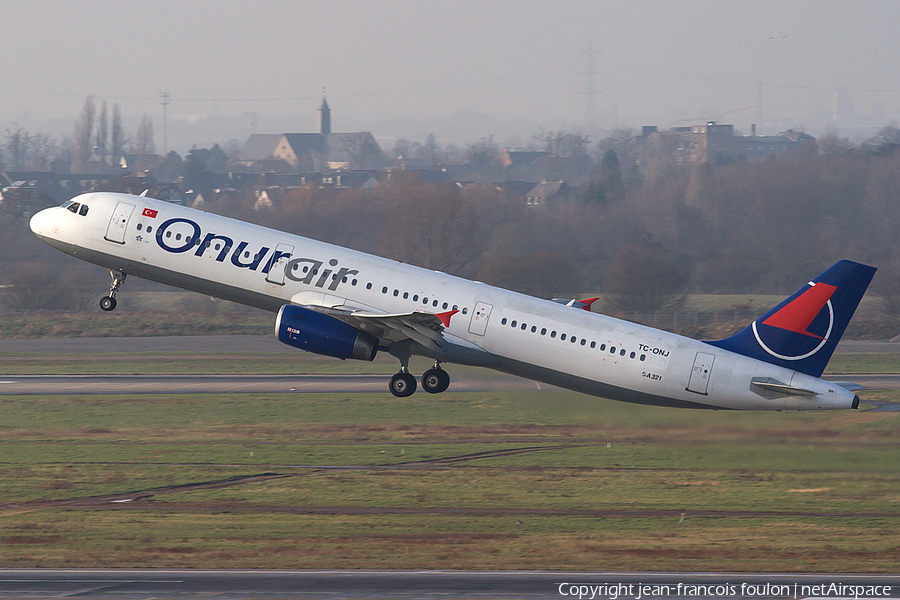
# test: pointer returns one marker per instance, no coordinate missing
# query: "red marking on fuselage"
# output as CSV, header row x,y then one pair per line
x,y
799,314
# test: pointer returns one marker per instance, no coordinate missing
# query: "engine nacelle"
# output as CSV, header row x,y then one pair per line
x,y
314,332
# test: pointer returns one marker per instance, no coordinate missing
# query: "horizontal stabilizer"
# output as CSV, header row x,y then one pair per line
x,y
773,385
849,385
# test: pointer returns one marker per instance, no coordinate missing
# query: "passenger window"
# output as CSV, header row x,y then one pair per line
x,y
543,331
415,297
178,237
247,255
139,227
405,295
632,355
384,290
425,301
603,346
643,357
583,341
524,326
149,229
352,282
533,328
513,324
396,293
435,303
465,310
593,344
553,334
563,337
622,352
444,306
169,234
503,321
83,211
612,349
368,286
573,339
455,307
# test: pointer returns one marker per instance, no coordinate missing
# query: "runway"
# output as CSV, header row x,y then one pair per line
x,y
69,385
337,585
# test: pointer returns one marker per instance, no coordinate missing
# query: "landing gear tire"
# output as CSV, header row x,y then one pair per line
x,y
435,381
107,303
403,385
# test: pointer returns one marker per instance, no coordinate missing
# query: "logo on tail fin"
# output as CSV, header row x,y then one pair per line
x,y
799,324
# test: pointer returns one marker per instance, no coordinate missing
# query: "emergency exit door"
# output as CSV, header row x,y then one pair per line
x,y
282,257
480,316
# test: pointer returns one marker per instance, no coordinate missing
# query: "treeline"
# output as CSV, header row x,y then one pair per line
x,y
762,227
748,227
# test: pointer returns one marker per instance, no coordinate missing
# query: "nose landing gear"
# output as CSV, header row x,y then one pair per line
x,y
108,303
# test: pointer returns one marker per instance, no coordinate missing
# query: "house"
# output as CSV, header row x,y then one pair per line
x,y
547,192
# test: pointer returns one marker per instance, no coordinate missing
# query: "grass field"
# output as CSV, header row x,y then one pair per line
x,y
468,480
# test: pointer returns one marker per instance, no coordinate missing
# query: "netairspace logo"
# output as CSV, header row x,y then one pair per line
x,y
638,591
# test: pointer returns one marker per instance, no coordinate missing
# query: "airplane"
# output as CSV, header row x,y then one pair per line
x,y
351,305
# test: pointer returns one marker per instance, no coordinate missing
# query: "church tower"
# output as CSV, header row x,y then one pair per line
x,y
324,118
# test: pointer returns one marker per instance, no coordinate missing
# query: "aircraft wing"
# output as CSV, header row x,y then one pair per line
x,y
421,327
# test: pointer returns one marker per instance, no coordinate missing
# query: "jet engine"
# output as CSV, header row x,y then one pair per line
x,y
314,332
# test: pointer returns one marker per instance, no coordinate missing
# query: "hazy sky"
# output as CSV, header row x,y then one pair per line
x,y
462,69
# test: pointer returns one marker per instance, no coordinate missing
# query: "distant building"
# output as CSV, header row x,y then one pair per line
x,y
315,152
716,144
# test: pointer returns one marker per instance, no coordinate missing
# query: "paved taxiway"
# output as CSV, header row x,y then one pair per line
x,y
336,585
29,385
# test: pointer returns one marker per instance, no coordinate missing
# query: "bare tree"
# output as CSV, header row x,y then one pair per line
x,y
102,133
84,128
143,139
118,138
16,146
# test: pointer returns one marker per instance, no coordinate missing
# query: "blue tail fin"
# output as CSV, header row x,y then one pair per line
x,y
802,332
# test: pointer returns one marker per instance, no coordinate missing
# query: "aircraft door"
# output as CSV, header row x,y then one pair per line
x,y
276,271
115,231
480,316
699,381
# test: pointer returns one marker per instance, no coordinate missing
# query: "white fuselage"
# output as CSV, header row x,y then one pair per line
x,y
511,332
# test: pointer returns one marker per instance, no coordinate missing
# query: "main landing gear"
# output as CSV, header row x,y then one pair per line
x,y
108,303
434,381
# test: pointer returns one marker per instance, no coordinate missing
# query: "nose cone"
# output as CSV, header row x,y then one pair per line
x,y
40,223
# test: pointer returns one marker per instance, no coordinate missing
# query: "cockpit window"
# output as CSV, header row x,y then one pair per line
x,y
73,207
83,211
67,203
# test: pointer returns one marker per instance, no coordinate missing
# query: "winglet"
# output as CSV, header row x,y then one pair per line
x,y
586,303
445,317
